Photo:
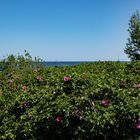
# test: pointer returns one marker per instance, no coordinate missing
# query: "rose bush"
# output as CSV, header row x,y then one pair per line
x,y
87,101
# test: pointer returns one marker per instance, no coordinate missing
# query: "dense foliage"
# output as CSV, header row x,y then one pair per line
x,y
98,100
133,46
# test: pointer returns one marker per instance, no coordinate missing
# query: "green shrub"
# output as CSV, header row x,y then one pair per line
x,y
98,100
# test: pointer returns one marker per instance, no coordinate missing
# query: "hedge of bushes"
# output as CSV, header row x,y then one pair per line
x,y
98,100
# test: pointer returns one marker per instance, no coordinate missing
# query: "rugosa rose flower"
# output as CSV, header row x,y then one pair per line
x,y
26,104
138,125
77,112
136,86
104,103
29,117
23,88
66,78
58,119
10,81
38,78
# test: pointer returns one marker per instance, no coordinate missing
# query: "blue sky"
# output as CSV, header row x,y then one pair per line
x,y
66,30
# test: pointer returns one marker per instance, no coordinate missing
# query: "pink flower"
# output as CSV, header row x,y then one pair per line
x,y
10,81
58,119
136,86
66,78
23,88
104,103
26,104
38,78
77,112
29,117
138,125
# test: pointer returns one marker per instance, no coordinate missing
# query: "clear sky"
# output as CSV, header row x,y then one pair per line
x,y
66,30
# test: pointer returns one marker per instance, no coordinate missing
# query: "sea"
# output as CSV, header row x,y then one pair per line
x,y
62,63
70,63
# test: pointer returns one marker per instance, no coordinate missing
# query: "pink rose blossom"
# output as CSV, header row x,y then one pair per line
x,y
26,104
136,86
66,78
104,103
138,125
23,88
77,112
29,117
10,81
38,78
58,119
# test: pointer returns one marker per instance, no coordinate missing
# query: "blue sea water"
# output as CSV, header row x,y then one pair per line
x,y
62,63
70,63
